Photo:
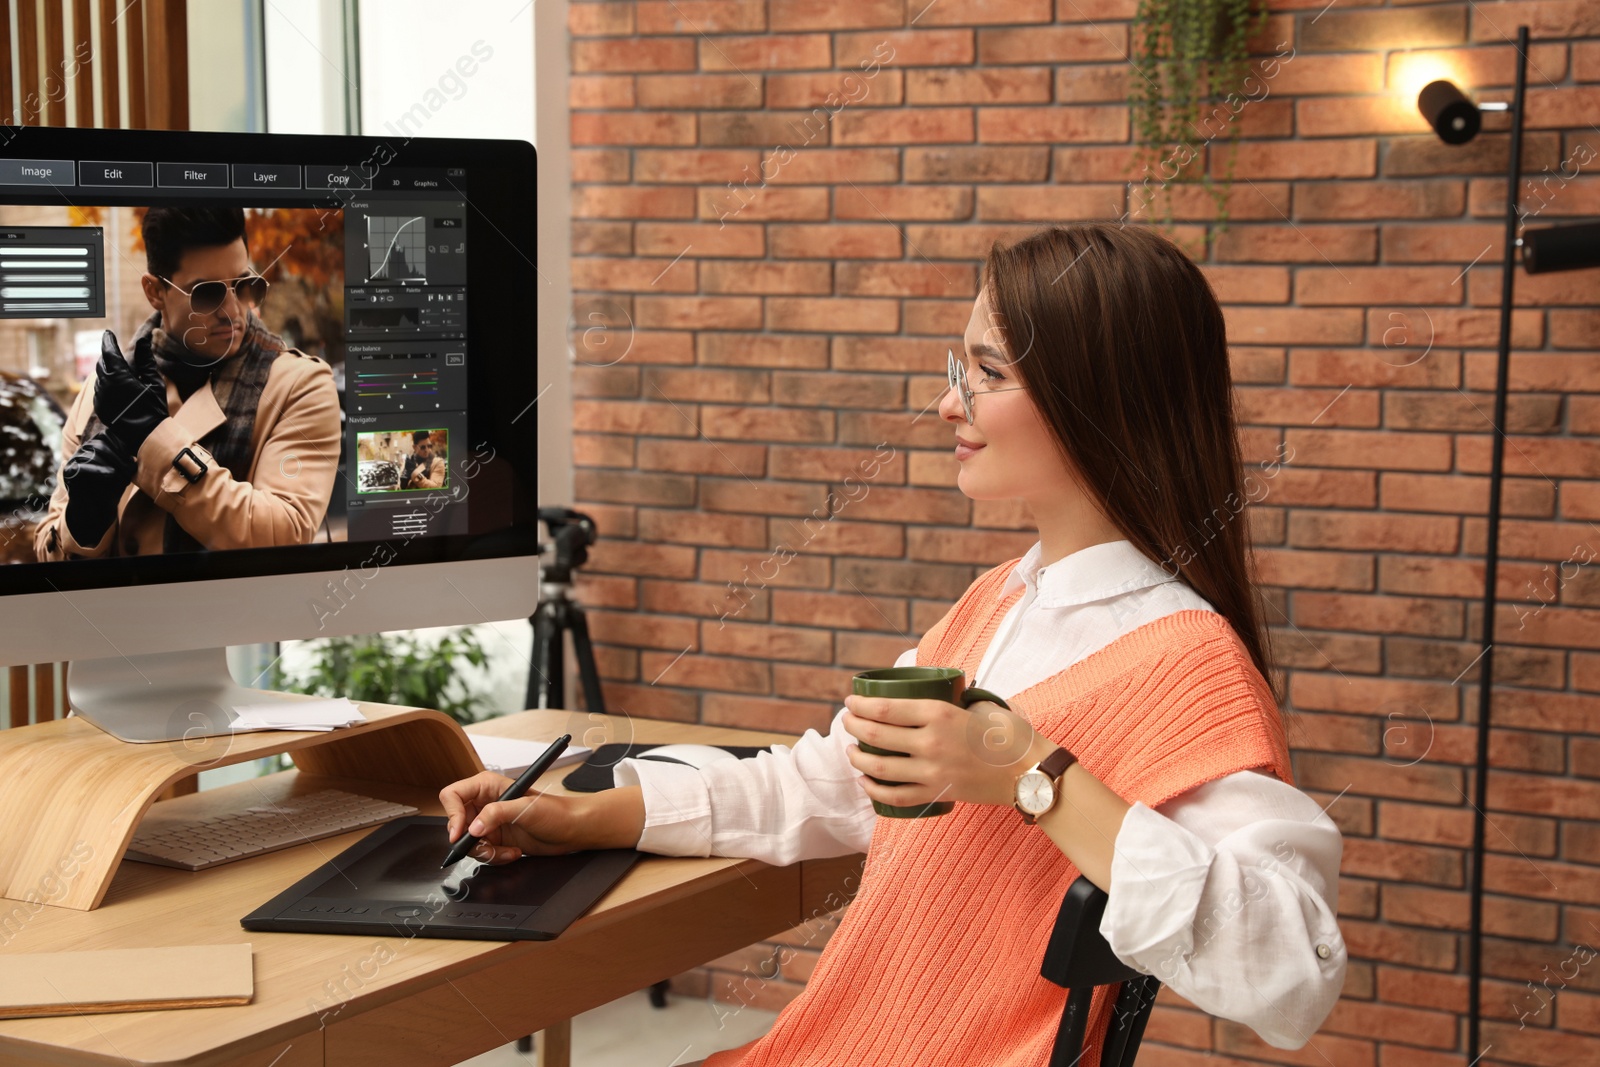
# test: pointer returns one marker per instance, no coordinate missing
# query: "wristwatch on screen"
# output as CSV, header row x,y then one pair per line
x,y
1039,787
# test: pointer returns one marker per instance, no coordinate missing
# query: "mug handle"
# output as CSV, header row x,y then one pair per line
x,y
973,694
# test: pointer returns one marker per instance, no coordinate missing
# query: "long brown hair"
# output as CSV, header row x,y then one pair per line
x,y
1118,338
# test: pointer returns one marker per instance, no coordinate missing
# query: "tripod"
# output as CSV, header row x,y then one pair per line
x,y
572,532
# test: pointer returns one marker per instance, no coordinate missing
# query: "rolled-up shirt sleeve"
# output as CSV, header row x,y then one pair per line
x,y
779,807
1228,894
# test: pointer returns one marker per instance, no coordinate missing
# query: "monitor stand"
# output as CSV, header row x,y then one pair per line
x,y
169,696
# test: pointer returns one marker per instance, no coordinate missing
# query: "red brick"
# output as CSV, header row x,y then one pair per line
x,y
1106,123
603,591
702,457
833,314
966,546
1403,328
644,631
1455,494
941,506
1380,200
765,423
820,389
1047,203
835,241
1039,44
761,350
727,600
979,12
596,20
692,671
1261,325
699,312
1301,406
1465,413
1028,85
632,202
703,165
697,239
1378,614
635,417
699,16
1315,570
1378,778
834,464
923,125
632,128
763,203
1544,458
601,450
907,279
789,15
698,528
1557,372
1299,244
885,202
818,166
786,716
1356,31
1355,158
599,91
734,276
905,48
1315,487
836,90
704,384
979,165
1346,116
1370,449
761,569
764,52
840,611
632,273
599,165
767,642
632,557
1101,83
764,498
836,537
632,54
1375,285
647,702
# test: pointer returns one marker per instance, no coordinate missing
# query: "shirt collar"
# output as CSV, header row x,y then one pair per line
x,y
1089,574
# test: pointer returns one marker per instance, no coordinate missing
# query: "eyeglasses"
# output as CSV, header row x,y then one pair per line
x,y
206,297
958,382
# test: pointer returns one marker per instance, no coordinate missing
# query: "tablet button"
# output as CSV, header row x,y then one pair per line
x,y
407,911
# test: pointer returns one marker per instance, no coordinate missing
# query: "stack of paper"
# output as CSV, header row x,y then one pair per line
x,y
327,714
511,756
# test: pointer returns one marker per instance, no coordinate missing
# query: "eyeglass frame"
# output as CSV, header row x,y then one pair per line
x,y
231,285
957,371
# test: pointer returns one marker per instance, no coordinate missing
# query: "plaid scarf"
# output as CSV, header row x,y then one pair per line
x,y
237,383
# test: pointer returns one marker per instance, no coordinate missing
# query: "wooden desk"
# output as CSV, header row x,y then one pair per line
x,y
350,1001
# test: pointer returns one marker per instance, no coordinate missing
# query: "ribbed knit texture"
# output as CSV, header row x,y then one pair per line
x,y
936,960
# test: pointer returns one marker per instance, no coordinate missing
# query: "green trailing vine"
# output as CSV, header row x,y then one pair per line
x,y
1191,80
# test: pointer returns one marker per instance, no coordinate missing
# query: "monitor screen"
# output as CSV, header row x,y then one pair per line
x,y
235,355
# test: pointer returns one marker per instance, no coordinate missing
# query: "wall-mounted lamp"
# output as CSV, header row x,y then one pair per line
x,y
1453,117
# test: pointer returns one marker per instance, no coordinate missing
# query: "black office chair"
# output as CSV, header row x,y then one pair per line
x,y
1078,958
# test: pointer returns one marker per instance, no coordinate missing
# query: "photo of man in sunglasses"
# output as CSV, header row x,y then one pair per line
x,y
214,433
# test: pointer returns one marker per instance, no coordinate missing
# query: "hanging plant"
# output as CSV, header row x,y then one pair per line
x,y
1191,81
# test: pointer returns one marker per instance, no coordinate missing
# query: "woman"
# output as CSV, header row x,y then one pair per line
x,y
1094,386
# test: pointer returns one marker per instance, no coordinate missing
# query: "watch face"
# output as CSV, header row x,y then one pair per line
x,y
1035,793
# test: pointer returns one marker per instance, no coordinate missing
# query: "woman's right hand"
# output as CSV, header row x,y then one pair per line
x,y
537,824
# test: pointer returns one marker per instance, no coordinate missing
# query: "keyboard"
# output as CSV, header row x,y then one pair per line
x,y
195,846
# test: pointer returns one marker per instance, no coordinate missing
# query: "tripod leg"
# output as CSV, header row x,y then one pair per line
x,y
593,699
547,665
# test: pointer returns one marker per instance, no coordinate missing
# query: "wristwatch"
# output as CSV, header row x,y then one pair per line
x,y
1039,787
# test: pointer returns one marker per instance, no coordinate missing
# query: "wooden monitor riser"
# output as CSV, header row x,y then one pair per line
x,y
71,795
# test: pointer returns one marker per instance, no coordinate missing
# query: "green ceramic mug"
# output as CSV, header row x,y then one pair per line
x,y
916,683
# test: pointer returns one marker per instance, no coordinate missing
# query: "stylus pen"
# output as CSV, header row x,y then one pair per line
x,y
517,788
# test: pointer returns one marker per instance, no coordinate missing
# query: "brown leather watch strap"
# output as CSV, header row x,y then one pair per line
x,y
1056,764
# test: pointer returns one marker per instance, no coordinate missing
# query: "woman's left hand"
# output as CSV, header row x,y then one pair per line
x,y
952,753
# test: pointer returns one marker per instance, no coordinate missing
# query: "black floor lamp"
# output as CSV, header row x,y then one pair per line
x,y
1553,248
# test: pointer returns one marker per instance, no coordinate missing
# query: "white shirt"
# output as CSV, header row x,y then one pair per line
x,y
1227,893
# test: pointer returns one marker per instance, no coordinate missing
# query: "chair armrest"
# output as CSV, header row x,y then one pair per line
x,y
1078,954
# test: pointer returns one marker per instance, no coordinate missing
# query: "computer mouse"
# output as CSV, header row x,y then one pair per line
x,y
693,755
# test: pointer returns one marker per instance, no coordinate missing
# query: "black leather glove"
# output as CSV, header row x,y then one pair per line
x,y
95,477
130,401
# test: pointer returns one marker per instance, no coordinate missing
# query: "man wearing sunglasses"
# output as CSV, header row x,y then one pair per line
x,y
216,434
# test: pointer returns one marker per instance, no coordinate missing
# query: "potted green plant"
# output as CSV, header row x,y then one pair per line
x,y
396,668
1191,65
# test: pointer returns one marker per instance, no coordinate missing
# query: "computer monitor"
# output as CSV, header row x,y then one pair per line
x,y
343,331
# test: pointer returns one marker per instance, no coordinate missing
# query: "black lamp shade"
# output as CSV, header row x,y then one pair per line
x,y
1553,248
1453,117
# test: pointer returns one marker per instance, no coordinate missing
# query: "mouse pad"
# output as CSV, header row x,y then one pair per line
x,y
390,883
593,775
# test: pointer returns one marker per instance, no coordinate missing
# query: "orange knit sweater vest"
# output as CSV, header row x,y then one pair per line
x,y
936,960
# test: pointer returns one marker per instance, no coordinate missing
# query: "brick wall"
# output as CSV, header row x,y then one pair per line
x,y
778,214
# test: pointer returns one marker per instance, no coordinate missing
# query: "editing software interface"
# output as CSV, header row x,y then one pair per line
x,y
227,271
